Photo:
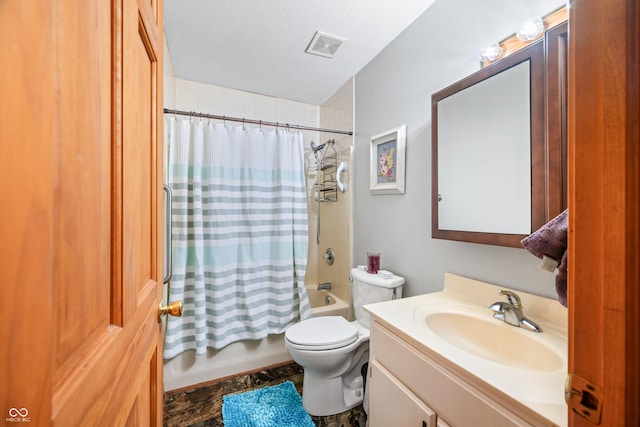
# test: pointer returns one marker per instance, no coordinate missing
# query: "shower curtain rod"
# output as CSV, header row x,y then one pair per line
x,y
255,122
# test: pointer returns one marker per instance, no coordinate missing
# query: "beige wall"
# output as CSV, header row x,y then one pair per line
x,y
335,217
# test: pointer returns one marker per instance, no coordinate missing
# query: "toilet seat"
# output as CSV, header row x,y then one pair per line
x,y
321,333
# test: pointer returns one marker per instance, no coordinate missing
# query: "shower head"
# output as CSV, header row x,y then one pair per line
x,y
315,148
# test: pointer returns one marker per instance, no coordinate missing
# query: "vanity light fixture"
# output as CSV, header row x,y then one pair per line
x,y
491,53
530,29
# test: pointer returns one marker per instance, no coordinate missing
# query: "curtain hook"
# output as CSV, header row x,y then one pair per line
x,y
243,128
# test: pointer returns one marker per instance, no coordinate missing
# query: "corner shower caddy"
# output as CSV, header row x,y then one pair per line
x,y
328,180
327,183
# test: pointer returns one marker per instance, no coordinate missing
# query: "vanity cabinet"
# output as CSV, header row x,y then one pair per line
x,y
411,387
395,404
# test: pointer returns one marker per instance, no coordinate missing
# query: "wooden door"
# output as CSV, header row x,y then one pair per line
x,y
80,219
604,203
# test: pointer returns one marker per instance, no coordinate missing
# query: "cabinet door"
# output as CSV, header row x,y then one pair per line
x,y
392,404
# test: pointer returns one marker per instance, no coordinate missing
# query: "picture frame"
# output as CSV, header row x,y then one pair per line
x,y
387,161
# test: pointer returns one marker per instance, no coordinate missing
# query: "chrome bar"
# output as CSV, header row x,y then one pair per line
x,y
255,122
168,258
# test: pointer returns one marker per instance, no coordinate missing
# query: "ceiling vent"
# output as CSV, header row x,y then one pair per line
x,y
324,44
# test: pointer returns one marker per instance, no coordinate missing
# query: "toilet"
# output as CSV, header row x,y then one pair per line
x,y
334,352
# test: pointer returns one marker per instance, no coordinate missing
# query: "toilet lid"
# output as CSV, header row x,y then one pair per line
x,y
322,333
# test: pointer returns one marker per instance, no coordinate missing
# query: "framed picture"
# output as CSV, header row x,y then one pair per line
x,y
387,161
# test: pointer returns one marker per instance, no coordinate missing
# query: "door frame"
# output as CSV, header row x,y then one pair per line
x,y
604,200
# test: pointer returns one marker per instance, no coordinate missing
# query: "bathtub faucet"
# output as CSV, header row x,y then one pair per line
x,y
324,286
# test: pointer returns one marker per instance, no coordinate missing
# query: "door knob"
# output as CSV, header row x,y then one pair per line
x,y
174,309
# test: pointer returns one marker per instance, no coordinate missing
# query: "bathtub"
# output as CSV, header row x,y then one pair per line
x,y
324,303
187,369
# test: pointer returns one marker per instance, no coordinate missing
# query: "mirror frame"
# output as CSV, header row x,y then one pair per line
x,y
535,54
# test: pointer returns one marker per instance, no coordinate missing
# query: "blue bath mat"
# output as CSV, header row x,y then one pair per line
x,y
273,406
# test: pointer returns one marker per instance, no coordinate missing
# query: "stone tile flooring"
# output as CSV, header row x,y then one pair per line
x,y
201,406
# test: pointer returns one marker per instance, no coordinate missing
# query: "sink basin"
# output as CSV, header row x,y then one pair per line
x,y
494,340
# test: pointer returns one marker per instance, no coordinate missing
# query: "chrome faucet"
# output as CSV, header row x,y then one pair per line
x,y
328,256
324,286
511,312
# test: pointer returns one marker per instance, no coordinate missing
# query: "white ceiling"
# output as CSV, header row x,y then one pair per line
x,y
259,45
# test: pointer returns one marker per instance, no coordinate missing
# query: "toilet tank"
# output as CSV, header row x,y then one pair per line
x,y
371,288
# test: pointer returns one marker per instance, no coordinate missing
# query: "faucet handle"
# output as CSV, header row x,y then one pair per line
x,y
512,297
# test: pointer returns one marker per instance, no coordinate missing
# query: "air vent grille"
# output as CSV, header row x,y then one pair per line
x,y
324,44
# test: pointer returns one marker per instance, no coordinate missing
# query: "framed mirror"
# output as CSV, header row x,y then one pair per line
x,y
488,152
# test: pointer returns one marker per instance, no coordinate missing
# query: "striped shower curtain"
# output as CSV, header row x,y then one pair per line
x,y
240,235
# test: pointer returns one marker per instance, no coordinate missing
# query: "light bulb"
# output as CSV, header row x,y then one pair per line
x,y
490,53
530,29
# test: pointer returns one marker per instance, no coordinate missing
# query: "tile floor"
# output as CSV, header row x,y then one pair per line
x,y
201,406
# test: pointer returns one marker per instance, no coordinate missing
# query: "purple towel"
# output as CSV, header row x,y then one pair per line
x,y
551,240
561,281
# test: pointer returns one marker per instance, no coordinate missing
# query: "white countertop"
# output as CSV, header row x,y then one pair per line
x,y
541,390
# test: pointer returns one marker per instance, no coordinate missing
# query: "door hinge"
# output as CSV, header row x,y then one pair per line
x,y
583,397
